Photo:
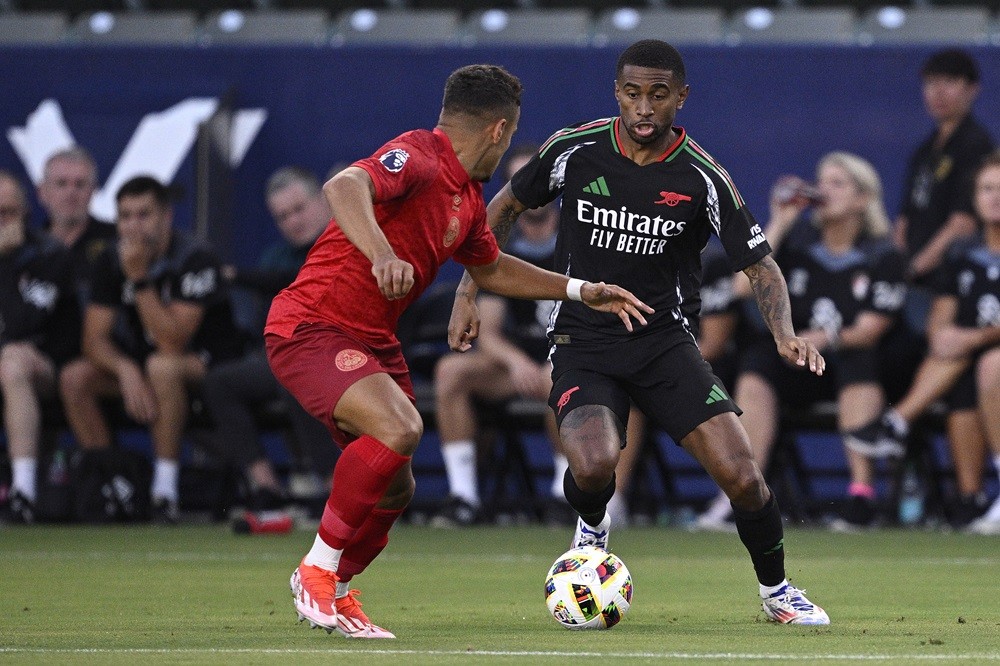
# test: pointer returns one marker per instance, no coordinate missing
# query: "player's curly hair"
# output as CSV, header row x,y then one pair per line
x,y
482,90
654,54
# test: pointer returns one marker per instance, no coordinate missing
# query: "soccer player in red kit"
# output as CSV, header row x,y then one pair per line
x,y
397,216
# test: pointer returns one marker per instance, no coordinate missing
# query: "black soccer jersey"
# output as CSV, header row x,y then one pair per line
x,y
641,227
526,322
188,272
973,276
828,291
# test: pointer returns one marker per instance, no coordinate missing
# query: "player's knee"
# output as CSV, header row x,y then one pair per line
x,y
401,432
746,488
988,372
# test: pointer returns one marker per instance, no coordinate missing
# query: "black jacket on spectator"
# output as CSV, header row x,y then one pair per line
x,y
38,298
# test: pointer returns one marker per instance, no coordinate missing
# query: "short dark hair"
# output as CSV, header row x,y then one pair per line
x,y
482,90
951,62
139,185
654,54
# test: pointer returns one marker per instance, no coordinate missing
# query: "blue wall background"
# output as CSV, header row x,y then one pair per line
x,y
761,111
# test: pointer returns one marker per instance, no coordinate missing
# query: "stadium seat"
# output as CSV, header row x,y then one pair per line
x,y
925,25
553,27
33,28
334,6
135,28
728,6
73,7
303,26
831,25
677,26
199,7
370,26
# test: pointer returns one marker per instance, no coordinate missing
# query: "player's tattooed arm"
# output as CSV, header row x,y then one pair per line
x,y
771,293
463,327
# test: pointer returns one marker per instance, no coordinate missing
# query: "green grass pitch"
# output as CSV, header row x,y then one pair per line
x,y
198,594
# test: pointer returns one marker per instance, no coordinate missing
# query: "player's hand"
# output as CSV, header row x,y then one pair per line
x,y
463,326
137,395
612,298
393,275
802,353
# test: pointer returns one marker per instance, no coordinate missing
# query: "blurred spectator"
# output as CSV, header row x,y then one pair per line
x,y
68,184
509,361
177,322
39,330
233,390
964,355
937,204
846,289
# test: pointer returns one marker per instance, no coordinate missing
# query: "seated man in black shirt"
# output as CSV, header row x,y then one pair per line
x,y
39,330
177,322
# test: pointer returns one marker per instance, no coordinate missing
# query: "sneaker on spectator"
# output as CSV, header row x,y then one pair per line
x,y
596,536
988,523
967,509
858,514
877,439
352,621
456,512
313,590
22,510
718,517
790,606
166,511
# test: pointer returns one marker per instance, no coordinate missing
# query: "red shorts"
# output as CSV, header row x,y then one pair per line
x,y
320,362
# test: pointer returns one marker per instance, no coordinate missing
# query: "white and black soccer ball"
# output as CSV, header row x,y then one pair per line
x,y
588,588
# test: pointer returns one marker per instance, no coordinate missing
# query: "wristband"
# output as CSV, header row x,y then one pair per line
x,y
573,288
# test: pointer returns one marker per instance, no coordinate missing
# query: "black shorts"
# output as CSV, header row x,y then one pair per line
x,y
663,373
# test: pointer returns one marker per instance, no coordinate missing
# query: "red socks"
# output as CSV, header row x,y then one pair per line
x,y
368,543
364,471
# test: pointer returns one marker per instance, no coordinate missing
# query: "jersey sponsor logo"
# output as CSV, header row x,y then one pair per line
x,y
672,198
350,359
633,233
451,233
599,186
394,160
564,399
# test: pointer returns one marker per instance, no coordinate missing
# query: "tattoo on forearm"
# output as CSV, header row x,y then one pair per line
x,y
772,296
507,218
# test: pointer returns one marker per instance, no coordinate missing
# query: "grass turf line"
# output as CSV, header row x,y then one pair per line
x,y
201,595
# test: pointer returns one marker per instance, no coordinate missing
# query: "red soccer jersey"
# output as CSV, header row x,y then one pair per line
x,y
428,210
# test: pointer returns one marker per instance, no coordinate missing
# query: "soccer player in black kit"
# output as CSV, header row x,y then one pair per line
x,y
640,199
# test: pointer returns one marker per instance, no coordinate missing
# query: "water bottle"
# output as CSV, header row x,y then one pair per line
x,y
911,498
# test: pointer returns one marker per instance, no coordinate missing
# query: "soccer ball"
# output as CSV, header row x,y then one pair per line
x,y
588,588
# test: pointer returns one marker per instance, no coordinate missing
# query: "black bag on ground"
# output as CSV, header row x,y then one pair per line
x,y
111,486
